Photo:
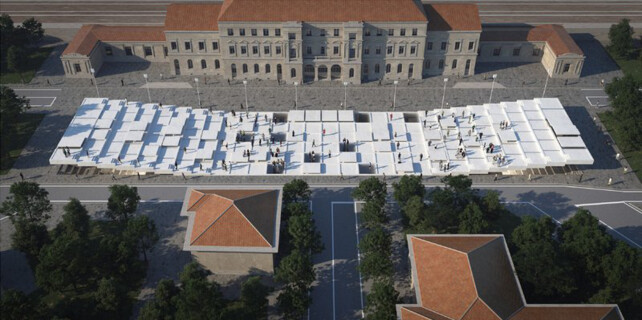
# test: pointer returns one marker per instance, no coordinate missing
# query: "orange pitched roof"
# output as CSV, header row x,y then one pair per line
x,y
88,36
471,277
453,17
555,35
192,16
233,218
321,10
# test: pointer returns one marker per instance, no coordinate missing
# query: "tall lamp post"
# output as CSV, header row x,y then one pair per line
x,y
198,92
545,84
93,74
245,88
149,96
394,96
296,95
345,95
443,96
492,86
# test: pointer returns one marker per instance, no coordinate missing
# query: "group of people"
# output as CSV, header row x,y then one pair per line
x,y
278,165
444,166
275,154
461,153
67,152
500,159
490,148
504,124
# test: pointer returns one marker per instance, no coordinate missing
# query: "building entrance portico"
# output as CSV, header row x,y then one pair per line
x,y
322,72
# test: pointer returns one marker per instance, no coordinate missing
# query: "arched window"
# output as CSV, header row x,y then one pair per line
x,y
217,64
377,68
292,73
244,68
203,64
454,63
335,68
190,65
399,68
267,68
351,73
256,68
388,68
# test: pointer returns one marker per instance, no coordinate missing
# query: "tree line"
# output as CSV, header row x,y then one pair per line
x,y
17,42
11,107
88,268
375,249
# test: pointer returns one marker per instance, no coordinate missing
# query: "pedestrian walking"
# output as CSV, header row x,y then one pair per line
x,y
324,132
293,133
313,143
138,173
421,156
113,177
241,106
22,177
495,179
228,82
91,81
48,83
122,82
398,144
183,174
391,117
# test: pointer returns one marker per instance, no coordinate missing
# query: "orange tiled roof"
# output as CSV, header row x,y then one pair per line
x,y
88,36
453,17
233,218
192,17
555,35
321,10
471,277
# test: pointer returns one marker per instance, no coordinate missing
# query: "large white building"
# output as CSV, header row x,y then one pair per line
x,y
311,40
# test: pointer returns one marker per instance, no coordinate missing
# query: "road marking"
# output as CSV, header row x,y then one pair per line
x,y
356,224
604,203
332,240
41,105
638,210
588,98
4,218
25,89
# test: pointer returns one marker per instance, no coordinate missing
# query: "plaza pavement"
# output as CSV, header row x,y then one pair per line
x,y
520,82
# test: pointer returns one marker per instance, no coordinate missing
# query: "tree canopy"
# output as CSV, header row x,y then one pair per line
x,y
141,233
381,301
407,187
122,202
27,202
370,189
296,190
304,234
626,100
621,38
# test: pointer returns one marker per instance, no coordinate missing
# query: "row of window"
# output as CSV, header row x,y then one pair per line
x,y
254,32
129,51
516,51
188,45
444,46
255,49
190,64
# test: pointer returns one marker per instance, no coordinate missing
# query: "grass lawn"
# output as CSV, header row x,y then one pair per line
x,y
631,66
634,157
27,124
34,61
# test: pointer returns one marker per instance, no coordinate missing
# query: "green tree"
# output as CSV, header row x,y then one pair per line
x,y
623,273
626,100
294,301
408,186
304,233
30,238
296,268
198,299
75,219
373,213
6,32
295,209
32,29
141,233
381,301
122,202
296,190
376,240
491,205
27,202
375,265
621,38
17,305
370,189
585,242
538,261
11,107
414,213
64,262
254,298
110,296
17,60
471,220
442,213
161,306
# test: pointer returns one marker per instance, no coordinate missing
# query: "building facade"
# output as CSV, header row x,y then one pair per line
x,y
316,40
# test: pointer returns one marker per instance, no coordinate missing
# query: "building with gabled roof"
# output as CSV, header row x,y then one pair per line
x,y
472,277
233,231
312,40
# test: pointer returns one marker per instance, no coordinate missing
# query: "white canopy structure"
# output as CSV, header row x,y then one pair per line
x,y
476,139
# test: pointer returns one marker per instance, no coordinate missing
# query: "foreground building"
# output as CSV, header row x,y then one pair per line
x,y
506,137
310,40
233,231
472,277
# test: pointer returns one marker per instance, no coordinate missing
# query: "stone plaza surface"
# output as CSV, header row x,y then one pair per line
x,y
476,139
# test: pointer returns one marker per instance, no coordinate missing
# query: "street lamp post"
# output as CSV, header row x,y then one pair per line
x,y
296,95
443,97
345,95
545,85
394,96
198,92
245,88
492,86
149,96
93,74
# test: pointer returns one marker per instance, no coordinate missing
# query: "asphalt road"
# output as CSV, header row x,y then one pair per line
x,y
570,13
